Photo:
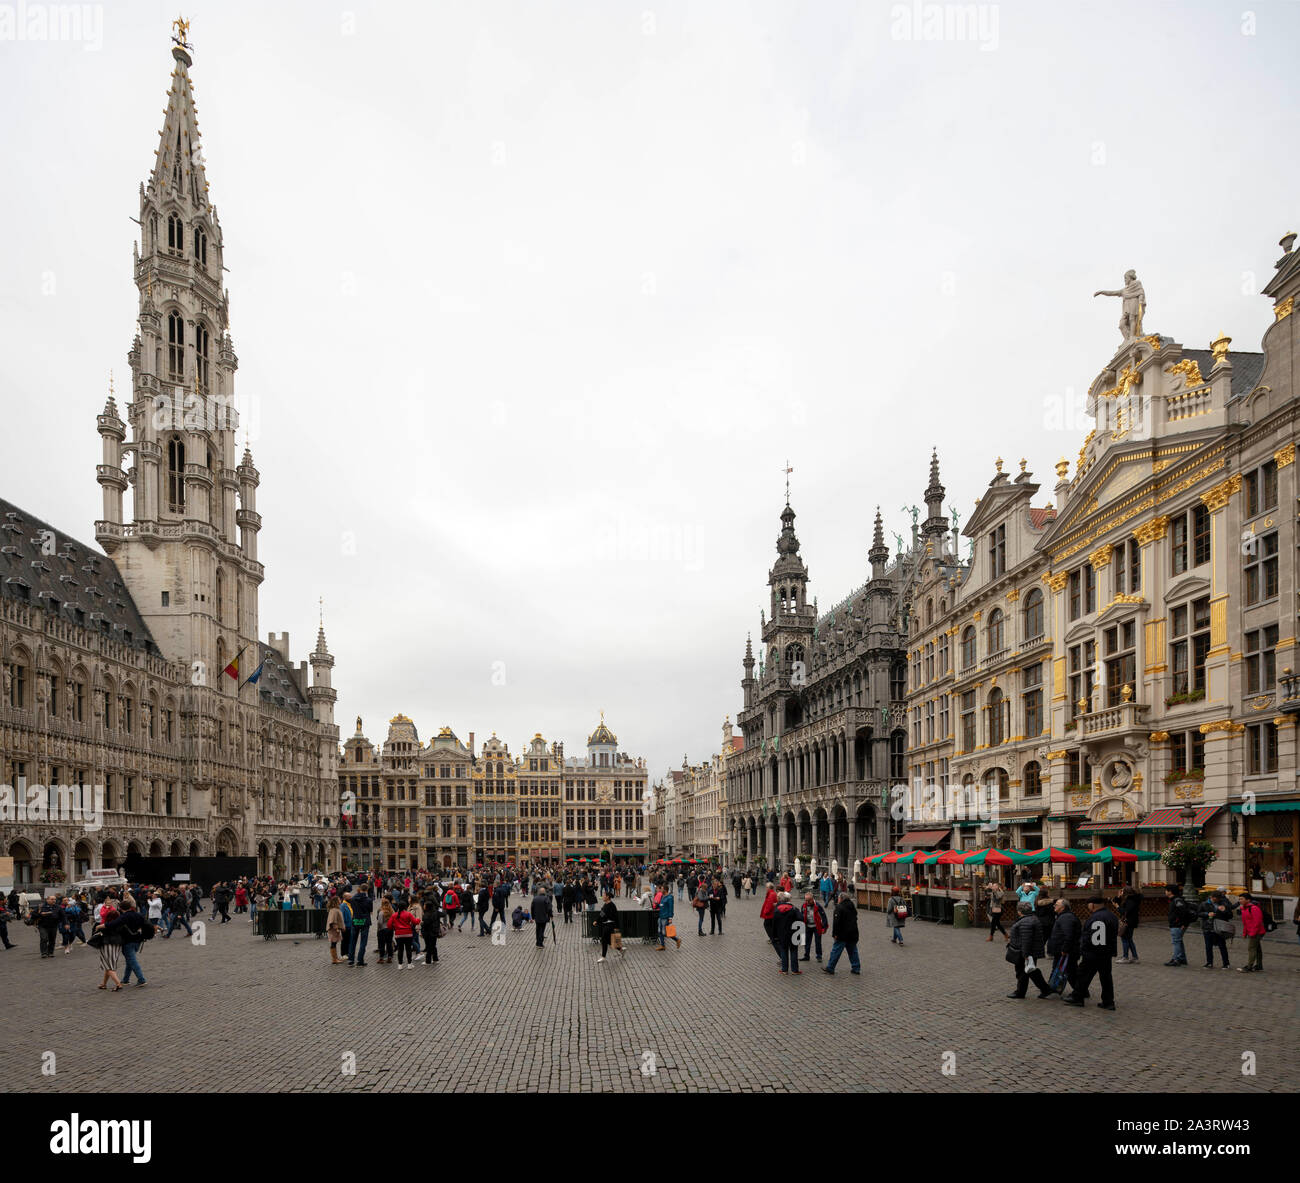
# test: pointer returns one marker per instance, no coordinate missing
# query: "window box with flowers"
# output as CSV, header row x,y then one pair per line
x,y
53,875
1078,788
1182,774
1071,724
1183,696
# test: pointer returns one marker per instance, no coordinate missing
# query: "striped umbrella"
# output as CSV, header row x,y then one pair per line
x,y
1053,854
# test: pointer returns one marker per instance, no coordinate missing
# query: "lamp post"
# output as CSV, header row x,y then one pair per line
x,y
1188,816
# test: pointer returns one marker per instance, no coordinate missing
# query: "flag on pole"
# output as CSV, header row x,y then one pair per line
x,y
233,668
257,673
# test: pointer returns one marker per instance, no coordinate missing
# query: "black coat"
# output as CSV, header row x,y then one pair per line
x,y
844,922
1100,937
609,916
1212,910
541,908
1065,934
783,922
1027,936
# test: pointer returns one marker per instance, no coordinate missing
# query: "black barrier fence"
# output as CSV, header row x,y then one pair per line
x,y
270,923
634,923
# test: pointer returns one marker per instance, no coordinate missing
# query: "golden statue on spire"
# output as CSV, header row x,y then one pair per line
x,y
182,27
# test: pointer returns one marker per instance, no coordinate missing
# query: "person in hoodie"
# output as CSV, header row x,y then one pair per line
x,y
768,911
402,924
451,903
783,921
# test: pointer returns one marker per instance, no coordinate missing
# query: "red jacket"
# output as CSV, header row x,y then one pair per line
x,y
769,905
1252,920
451,901
786,884
814,915
402,924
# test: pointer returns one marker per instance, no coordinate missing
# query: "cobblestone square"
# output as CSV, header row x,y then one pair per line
x,y
239,1013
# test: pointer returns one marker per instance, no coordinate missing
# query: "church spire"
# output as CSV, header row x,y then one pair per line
x,y
878,555
936,524
178,172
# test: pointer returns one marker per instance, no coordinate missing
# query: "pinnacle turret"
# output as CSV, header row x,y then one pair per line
x,y
936,524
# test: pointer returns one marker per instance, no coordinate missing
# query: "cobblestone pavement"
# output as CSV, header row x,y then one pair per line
x,y
240,1013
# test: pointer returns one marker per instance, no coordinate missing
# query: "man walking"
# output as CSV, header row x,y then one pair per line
x,y
484,902
718,906
1180,917
1064,942
1098,944
501,901
844,935
783,927
1027,945
542,911
814,922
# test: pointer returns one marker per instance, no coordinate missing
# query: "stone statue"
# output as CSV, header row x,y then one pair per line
x,y
1133,307
812,868
835,868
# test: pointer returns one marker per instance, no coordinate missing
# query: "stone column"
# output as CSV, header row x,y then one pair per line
x,y
830,833
783,847
853,838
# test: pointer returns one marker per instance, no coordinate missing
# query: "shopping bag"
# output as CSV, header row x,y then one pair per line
x,y
1058,979
670,931
616,940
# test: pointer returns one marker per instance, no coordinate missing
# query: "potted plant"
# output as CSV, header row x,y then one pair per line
x,y
1183,696
1190,856
1179,774
52,875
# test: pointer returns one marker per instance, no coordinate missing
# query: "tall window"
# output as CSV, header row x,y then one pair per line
x,y
968,647
176,475
1033,614
1261,660
1033,779
1190,539
221,597
997,631
1127,567
998,552
175,347
1032,698
1261,569
1120,648
1260,488
1082,674
1261,749
200,246
175,235
943,655
201,355
898,681
1189,643
897,756
943,717
968,721
1083,591
997,717
17,672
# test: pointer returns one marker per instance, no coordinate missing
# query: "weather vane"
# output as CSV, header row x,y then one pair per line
x,y
788,471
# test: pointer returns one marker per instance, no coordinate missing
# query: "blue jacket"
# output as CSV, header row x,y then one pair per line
x,y
666,905
362,909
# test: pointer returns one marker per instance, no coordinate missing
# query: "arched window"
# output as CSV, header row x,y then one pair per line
x,y
176,475
175,347
1033,615
929,611
968,647
201,355
1033,779
997,787
175,235
997,717
200,246
996,631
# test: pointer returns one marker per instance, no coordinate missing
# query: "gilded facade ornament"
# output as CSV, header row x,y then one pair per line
x,y
1127,693
1062,468
1101,556
1056,581
1013,594
1160,737
1217,497
1285,456
1262,703
1219,347
1222,725
1189,792
1153,340
1283,721
1190,369
1283,308
1152,531
1060,754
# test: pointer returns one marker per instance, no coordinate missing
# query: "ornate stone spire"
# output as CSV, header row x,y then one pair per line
x,y
879,552
936,523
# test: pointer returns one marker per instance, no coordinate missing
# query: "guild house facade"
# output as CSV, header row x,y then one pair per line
x,y
1118,665
137,669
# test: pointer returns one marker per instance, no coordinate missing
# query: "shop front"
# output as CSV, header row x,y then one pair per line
x,y
1270,834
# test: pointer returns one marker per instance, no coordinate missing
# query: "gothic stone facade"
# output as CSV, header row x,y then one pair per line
x,y
114,662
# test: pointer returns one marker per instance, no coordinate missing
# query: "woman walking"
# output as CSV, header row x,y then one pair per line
x,y
430,931
895,918
110,946
1130,907
1023,951
700,903
995,912
747,885
334,928
608,923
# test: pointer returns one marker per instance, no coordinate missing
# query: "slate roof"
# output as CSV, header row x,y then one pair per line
x,y
277,685
79,583
1246,368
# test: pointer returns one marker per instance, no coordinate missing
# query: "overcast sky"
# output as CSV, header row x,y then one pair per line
x,y
534,300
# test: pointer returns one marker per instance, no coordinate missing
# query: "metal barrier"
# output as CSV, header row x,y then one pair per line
x,y
270,923
634,923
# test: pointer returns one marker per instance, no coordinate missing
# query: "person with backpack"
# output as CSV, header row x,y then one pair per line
x,y
451,903
73,918
1180,919
1253,928
542,910
131,929
814,923
500,902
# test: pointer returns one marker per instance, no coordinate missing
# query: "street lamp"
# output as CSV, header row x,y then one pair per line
x,y
1188,816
